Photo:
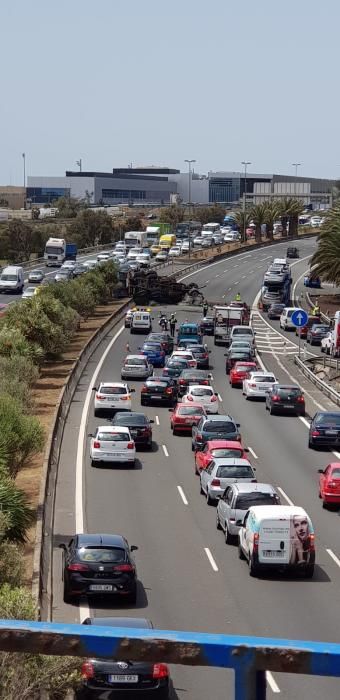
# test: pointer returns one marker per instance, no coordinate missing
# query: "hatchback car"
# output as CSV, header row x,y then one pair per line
x,y
154,352
292,252
313,282
329,484
36,276
220,473
207,325
192,376
213,428
324,429
285,399
185,355
136,367
99,564
159,390
111,396
166,341
214,449
200,353
236,500
237,356
79,270
107,679
64,275
312,321
239,372
29,292
140,427
174,368
204,395
275,311
162,256
185,416
241,345
112,444
257,384
316,333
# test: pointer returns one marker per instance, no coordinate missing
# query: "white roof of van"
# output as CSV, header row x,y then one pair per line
x,y
277,511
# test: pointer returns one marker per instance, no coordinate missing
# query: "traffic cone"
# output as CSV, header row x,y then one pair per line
x,y
127,347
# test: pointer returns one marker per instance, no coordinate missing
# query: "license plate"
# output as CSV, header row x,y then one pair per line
x,y
102,587
331,432
122,679
287,405
273,553
154,396
113,398
188,421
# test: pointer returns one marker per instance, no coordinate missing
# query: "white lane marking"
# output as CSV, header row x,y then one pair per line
x,y
304,421
219,397
235,265
182,495
251,271
334,557
157,420
165,450
211,559
84,610
207,281
244,277
283,493
216,276
229,289
252,452
235,283
211,377
337,454
272,682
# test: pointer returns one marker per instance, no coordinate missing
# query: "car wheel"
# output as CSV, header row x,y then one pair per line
x,y
192,446
174,431
67,597
252,567
149,445
302,413
96,412
142,402
132,597
310,445
240,552
309,571
324,504
196,470
218,524
227,535
271,410
210,501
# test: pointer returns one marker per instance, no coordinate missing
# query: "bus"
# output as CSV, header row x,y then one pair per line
x,y
188,228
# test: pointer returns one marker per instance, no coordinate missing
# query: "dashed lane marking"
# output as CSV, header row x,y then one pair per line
x,y
252,452
272,682
182,495
165,450
157,420
211,559
283,493
333,556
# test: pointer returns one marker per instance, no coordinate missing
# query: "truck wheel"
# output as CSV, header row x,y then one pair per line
x,y
309,571
240,552
253,569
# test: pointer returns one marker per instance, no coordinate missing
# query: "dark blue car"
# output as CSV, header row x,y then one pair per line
x,y
155,353
313,282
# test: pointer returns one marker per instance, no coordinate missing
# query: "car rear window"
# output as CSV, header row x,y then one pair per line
x,y
152,346
246,500
234,472
328,419
112,437
219,427
157,382
128,420
108,390
243,331
102,554
202,391
285,393
262,380
227,452
191,411
135,361
243,368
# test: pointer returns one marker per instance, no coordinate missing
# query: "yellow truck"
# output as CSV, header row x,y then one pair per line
x,y
167,240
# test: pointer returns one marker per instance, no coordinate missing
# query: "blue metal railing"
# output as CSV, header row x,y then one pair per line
x,y
249,657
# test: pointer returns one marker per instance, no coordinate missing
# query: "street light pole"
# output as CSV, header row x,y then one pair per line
x,y
295,165
24,159
189,174
79,163
245,163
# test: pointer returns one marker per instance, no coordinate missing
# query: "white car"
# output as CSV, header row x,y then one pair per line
x,y
133,252
185,355
231,237
327,342
162,256
257,385
111,396
112,443
185,246
105,255
286,318
90,264
207,242
204,395
144,259
68,265
175,251
29,292
198,240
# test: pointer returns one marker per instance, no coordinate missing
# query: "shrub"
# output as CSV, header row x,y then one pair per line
x,y
76,295
11,561
19,514
37,327
21,436
14,343
17,375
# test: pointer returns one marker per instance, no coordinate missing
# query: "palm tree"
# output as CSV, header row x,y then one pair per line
x,y
270,216
242,219
325,262
258,216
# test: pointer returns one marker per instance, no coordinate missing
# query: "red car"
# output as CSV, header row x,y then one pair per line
x,y
184,416
218,448
329,484
312,320
239,372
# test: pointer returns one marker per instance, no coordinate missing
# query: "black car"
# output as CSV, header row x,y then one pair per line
x,y
324,429
207,325
139,424
237,356
173,368
316,333
192,376
268,298
275,310
214,427
110,680
201,355
166,341
99,565
159,390
285,399
292,252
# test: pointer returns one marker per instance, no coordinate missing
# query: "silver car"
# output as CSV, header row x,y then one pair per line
x,y
64,275
236,500
136,367
36,276
221,473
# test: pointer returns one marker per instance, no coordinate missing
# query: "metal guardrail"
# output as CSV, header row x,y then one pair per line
x,y
325,388
248,657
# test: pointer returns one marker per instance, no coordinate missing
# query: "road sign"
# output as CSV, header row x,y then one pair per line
x,y
299,318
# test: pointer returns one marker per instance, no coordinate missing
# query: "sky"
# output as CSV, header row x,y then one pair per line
x,y
154,83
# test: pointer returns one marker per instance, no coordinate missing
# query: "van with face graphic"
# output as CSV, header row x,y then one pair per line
x,y
277,536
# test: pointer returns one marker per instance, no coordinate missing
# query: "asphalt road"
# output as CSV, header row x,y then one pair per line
x,y
189,578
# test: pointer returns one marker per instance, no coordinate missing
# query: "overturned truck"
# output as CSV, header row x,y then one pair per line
x,y
146,285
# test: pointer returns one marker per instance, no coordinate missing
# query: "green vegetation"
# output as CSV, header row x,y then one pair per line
x,y
325,262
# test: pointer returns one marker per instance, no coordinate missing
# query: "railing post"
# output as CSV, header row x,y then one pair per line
x,y
250,684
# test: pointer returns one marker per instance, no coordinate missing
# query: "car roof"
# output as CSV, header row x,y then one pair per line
x,y
113,384
231,462
219,417
262,374
273,512
100,540
199,386
137,622
128,414
110,428
135,357
215,444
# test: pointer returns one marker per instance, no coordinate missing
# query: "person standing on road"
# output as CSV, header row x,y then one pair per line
x,y
172,322
205,307
238,297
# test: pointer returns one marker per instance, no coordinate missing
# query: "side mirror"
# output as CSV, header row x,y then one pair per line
x,y
151,420
171,410
90,435
215,393
94,388
238,425
62,546
321,471
133,548
239,523
246,449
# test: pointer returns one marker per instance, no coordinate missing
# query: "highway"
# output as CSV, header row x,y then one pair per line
x,y
189,578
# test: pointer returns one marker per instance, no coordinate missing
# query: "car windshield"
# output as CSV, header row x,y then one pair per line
x,y
234,471
107,390
263,380
335,474
113,555
131,419
8,277
328,419
227,452
190,411
135,362
113,437
246,500
202,391
218,426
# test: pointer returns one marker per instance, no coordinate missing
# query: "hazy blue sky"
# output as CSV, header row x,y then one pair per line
x,y
150,82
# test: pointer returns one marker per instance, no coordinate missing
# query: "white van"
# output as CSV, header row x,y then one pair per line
x,y
286,318
12,280
141,322
277,536
242,332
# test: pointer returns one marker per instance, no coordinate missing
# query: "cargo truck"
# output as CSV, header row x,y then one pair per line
x,y
57,251
225,317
